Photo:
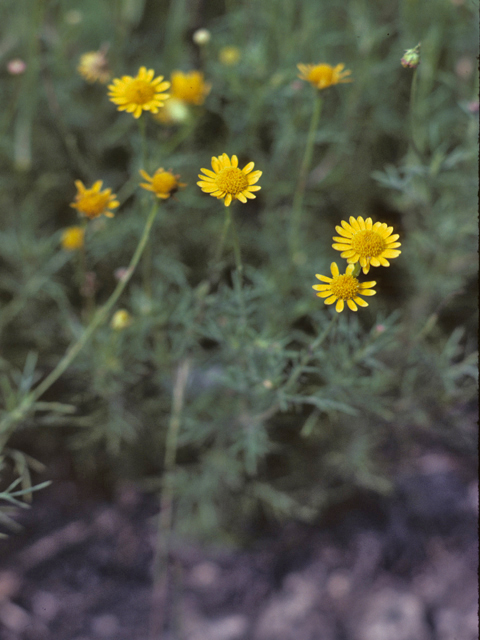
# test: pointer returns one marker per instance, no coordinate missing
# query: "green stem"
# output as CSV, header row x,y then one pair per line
x,y
226,226
19,413
239,266
143,142
86,292
413,102
302,179
165,517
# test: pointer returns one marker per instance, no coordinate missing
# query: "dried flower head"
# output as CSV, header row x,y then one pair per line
x,y
229,56
189,87
93,66
343,288
322,75
142,93
367,243
163,183
228,181
73,238
94,202
121,319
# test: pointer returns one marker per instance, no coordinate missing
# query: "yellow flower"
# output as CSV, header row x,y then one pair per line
x,y
121,320
73,238
322,76
174,112
343,288
142,93
229,56
189,87
93,202
228,181
93,67
367,243
163,183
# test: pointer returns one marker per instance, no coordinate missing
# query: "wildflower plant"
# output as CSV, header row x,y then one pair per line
x,y
228,388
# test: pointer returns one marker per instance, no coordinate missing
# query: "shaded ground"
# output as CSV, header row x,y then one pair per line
x,y
398,569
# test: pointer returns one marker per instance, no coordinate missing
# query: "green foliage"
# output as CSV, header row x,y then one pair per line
x,y
274,420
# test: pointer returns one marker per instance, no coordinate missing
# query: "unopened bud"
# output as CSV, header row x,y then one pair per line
x,y
121,320
411,57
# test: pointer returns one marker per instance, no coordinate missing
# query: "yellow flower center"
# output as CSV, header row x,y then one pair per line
x,y
164,182
139,92
345,287
321,74
368,244
232,180
93,204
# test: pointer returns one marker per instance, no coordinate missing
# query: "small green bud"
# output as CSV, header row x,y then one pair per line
x,y
411,57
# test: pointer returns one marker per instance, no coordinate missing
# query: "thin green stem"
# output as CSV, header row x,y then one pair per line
x,y
143,142
239,266
19,413
165,517
226,226
298,197
413,113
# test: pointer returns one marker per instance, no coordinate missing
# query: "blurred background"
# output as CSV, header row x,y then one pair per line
x,y
316,494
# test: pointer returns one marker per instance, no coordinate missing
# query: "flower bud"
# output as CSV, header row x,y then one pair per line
x,y
201,37
411,57
121,320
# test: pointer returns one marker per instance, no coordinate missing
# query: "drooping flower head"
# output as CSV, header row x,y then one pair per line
x,y
93,66
163,183
142,93
228,181
189,87
94,202
343,288
367,243
73,238
323,75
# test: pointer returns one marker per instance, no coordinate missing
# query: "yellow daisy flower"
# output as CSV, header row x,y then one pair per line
x,y
142,93
163,183
367,243
189,87
93,66
93,202
322,75
228,181
73,238
344,288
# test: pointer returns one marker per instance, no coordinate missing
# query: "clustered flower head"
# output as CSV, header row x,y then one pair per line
x,y
142,93
121,319
363,244
228,182
73,238
323,75
93,66
163,183
94,202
